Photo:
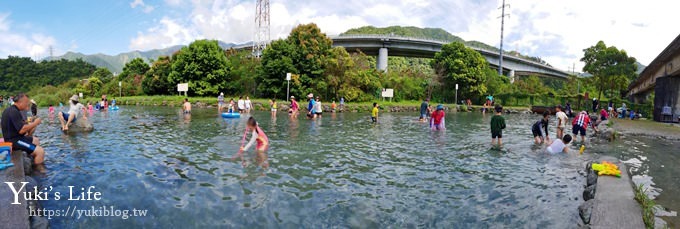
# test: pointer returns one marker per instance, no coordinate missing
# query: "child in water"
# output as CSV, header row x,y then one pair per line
x,y
560,145
259,138
51,109
374,113
540,129
230,106
497,126
437,120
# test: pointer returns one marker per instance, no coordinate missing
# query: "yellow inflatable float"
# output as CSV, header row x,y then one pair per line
x,y
607,168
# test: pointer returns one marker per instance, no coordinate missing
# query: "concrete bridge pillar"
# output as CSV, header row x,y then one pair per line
x,y
511,75
382,59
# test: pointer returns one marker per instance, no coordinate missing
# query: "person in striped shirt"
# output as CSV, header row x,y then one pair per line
x,y
580,123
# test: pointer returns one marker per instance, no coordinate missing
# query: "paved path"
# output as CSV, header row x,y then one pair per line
x,y
13,215
615,205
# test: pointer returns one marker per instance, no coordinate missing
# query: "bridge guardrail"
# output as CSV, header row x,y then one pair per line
x,y
382,36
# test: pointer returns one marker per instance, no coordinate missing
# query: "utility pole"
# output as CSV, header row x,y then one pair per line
x,y
261,27
500,60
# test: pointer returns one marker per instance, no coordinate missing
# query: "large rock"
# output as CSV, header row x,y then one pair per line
x,y
585,210
591,178
589,192
81,125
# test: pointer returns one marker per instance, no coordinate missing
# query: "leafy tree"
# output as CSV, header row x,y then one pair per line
x,y
135,67
362,83
277,60
155,80
243,74
103,74
93,86
336,69
304,53
461,65
497,84
531,85
21,74
612,68
203,65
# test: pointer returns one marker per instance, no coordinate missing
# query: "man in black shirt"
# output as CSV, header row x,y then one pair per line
x,y
15,129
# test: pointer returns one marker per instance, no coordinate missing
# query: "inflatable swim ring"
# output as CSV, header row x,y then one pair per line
x,y
231,115
113,108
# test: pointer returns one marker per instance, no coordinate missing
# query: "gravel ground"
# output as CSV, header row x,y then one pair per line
x,y
647,128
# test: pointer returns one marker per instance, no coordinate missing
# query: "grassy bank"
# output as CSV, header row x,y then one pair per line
x,y
647,205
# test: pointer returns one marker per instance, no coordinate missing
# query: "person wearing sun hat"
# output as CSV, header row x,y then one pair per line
x,y
34,108
74,110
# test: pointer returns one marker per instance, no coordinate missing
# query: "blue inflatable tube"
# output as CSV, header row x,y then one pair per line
x,y
231,115
113,108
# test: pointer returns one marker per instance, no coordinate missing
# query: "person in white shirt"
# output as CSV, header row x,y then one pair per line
x,y
318,108
562,121
559,145
241,105
74,110
248,104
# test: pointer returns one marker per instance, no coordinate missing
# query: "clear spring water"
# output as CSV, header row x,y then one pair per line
x,y
340,171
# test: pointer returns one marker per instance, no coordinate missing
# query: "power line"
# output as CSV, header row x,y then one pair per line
x,y
500,60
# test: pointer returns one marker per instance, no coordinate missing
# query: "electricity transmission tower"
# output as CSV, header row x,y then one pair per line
x,y
261,27
500,60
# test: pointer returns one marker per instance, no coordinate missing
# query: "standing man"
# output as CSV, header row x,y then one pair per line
x,y
342,104
562,120
186,107
15,129
220,102
424,109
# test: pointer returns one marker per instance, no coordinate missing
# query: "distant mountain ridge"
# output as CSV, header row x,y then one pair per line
x,y
417,32
115,63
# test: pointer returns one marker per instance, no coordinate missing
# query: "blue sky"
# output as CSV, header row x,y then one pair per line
x,y
556,31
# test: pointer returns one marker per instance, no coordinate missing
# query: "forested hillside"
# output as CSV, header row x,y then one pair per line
x,y
22,73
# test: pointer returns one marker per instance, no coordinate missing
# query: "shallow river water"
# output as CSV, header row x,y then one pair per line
x,y
340,171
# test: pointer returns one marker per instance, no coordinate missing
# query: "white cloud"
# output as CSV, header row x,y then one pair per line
x,y
166,34
558,32
34,45
140,3
554,31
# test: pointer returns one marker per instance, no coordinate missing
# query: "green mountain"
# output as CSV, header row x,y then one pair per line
x,y
116,63
412,31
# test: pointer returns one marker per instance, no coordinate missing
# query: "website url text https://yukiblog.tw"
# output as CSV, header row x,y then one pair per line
x,y
101,211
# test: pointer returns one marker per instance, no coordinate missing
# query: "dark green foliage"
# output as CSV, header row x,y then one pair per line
x,y
22,73
203,65
612,68
155,80
303,53
407,31
460,65
243,74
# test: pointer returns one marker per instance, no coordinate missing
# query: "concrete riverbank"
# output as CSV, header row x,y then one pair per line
x,y
610,201
17,215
